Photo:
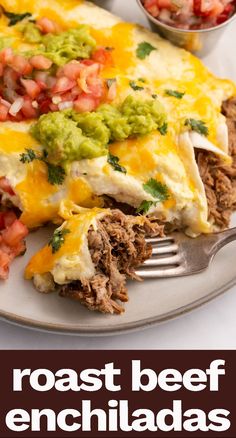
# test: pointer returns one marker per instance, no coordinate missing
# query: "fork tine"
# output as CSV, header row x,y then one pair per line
x,y
172,260
165,249
163,240
161,273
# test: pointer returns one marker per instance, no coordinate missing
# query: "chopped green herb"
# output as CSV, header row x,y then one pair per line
x,y
56,174
144,49
114,162
28,156
163,129
142,80
15,18
198,126
58,239
174,93
156,189
154,96
135,86
110,82
145,207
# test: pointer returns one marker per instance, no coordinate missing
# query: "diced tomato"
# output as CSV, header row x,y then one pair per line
x,y
225,14
6,187
5,260
103,56
9,218
12,235
41,77
21,64
40,62
85,103
6,55
63,84
10,78
31,87
71,70
2,224
44,106
47,26
152,7
28,110
3,113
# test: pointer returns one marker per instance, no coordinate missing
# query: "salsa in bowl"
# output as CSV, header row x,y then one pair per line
x,y
191,14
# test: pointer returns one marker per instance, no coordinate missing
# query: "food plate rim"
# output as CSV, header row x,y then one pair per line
x,y
119,329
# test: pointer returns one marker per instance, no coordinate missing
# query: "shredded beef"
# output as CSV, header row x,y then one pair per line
x,y
219,179
117,248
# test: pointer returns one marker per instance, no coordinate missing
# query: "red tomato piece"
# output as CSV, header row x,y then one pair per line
x,y
63,84
71,70
40,62
21,65
31,88
5,260
85,103
6,187
13,235
9,218
6,55
3,113
28,110
103,56
47,26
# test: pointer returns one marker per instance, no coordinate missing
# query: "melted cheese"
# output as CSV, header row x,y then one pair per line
x,y
73,260
166,158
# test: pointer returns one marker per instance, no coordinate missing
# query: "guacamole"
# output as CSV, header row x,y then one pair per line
x,y
72,44
69,136
31,33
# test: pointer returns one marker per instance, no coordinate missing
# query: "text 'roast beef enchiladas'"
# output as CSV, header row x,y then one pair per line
x,y
100,118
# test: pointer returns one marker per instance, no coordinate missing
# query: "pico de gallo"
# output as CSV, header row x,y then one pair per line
x,y
191,14
12,234
62,72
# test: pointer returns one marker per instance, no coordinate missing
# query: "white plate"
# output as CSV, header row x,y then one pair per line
x,y
150,302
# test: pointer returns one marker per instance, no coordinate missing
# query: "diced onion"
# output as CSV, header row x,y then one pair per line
x,y
5,103
16,106
35,104
56,100
65,105
112,91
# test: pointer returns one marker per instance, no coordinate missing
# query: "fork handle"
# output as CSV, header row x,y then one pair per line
x,y
223,238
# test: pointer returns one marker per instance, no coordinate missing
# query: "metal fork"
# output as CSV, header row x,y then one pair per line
x,y
178,255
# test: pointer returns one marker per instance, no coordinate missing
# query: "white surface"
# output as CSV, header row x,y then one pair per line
x,y
213,326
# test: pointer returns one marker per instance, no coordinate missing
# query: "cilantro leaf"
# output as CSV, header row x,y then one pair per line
x,y
197,126
144,49
114,162
15,18
135,86
156,189
163,129
28,156
145,207
174,93
58,239
56,174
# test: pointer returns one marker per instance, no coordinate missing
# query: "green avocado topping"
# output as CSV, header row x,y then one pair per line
x,y
69,136
31,33
72,44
